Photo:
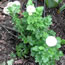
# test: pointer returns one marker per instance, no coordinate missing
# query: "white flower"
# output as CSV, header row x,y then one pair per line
x,y
56,1
30,9
10,4
51,41
5,10
16,2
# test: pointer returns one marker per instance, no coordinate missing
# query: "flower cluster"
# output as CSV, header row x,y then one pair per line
x,y
10,4
30,9
51,41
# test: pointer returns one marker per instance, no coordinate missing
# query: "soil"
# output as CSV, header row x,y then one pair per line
x,y
8,36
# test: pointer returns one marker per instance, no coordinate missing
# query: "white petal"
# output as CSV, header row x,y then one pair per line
x,y
30,13
16,2
30,8
51,41
10,4
5,10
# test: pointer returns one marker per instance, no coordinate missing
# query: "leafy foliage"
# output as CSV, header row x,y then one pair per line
x,y
14,9
63,41
34,30
22,50
52,3
62,8
46,55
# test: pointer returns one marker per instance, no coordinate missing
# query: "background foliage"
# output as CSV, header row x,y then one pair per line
x,y
52,3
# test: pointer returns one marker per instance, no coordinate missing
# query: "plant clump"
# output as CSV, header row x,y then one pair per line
x,y
36,35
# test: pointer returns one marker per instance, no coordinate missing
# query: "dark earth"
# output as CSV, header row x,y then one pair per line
x,y
8,36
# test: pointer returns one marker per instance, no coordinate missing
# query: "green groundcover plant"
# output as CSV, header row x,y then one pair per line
x,y
34,31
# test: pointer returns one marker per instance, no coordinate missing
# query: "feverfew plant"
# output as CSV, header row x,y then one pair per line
x,y
36,35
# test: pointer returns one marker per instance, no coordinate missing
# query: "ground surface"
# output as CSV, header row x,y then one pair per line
x,y
8,36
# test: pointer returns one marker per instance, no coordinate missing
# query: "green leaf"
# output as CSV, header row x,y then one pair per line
x,y
52,3
62,41
62,8
25,14
39,10
41,47
51,32
30,27
29,2
58,40
58,45
24,39
35,48
45,60
60,53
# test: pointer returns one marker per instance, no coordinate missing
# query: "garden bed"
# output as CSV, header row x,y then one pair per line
x,y
9,40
